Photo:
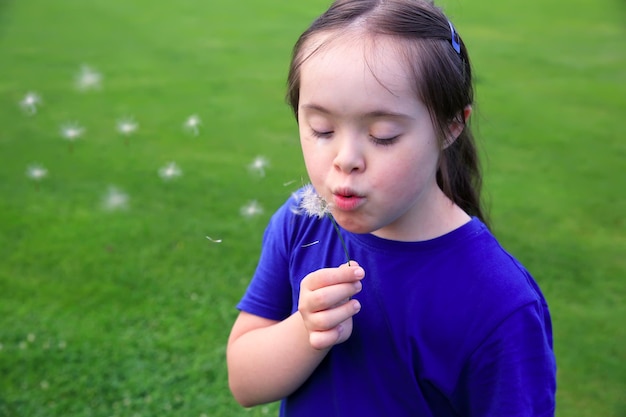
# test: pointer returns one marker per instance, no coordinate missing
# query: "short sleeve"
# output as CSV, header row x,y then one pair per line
x,y
513,372
269,293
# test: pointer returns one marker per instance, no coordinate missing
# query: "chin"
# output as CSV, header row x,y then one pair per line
x,y
354,227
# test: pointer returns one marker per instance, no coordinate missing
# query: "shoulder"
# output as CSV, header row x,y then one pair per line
x,y
490,270
478,286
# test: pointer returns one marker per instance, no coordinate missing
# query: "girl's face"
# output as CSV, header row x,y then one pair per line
x,y
369,145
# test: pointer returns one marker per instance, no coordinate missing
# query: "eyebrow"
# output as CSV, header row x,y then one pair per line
x,y
375,114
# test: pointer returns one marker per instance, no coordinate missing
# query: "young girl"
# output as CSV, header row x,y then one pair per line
x,y
430,316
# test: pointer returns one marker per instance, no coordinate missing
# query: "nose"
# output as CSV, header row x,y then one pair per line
x,y
350,157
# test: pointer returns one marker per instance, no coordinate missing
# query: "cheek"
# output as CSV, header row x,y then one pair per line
x,y
313,160
407,171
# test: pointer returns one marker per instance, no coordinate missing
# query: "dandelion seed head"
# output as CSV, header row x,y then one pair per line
x,y
44,385
127,126
88,79
311,203
258,165
30,102
115,199
253,208
31,337
36,172
170,171
23,345
62,345
71,131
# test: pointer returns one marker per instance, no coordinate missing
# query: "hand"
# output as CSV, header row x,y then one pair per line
x,y
325,304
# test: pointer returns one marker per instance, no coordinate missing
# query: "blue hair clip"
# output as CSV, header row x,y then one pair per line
x,y
454,38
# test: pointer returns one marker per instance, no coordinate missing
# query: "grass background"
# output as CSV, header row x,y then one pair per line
x,y
126,313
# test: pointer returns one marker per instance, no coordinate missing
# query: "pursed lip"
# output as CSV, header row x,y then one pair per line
x,y
347,199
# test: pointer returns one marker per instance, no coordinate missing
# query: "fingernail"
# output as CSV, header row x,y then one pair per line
x,y
356,305
358,286
359,272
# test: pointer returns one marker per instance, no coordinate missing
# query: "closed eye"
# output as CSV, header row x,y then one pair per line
x,y
323,135
384,141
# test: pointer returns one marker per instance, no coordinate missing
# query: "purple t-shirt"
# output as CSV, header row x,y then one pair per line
x,y
452,326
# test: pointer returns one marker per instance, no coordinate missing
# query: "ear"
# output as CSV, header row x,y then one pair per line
x,y
457,125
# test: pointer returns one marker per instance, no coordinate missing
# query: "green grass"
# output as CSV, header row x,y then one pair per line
x,y
126,313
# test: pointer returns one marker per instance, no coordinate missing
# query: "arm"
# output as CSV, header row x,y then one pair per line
x,y
268,360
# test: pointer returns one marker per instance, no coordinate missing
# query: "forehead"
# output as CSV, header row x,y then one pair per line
x,y
358,54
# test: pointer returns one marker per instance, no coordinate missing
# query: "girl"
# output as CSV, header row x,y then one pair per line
x,y
430,316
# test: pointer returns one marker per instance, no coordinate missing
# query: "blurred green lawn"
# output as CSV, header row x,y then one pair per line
x,y
126,312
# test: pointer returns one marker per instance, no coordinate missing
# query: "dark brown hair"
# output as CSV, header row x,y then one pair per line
x,y
442,79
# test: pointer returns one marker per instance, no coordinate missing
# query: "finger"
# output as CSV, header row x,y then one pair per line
x,y
329,319
332,276
328,297
325,339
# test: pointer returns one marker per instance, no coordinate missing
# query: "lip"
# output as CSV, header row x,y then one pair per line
x,y
347,200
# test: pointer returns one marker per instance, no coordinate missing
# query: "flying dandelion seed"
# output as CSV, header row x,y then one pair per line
x,y
71,131
127,126
88,79
170,171
115,199
30,102
253,208
258,165
36,172
288,183
306,245
214,240
192,124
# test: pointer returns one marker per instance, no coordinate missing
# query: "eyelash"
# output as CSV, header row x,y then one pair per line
x,y
321,135
377,141
385,141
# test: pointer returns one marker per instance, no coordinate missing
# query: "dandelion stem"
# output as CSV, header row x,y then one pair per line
x,y
343,243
